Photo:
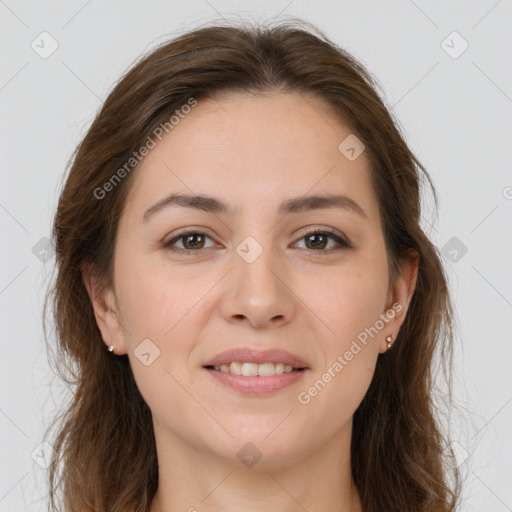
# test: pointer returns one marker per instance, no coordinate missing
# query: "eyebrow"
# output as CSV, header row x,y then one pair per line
x,y
294,205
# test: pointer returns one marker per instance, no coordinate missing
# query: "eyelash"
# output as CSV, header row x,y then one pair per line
x,y
344,244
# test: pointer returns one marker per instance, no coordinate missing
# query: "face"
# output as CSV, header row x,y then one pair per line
x,y
191,283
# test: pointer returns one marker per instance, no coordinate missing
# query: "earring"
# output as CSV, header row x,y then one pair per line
x,y
111,348
389,341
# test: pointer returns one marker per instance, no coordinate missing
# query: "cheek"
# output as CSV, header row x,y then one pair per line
x,y
160,310
352,311
153,301
165,306
349,299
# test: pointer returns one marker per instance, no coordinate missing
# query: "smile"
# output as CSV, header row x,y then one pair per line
x,y
255,369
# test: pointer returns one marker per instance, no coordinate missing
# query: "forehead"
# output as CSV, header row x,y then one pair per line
x,y
267,126
241,147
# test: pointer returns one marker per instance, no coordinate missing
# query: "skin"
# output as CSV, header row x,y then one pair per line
x,y
252,153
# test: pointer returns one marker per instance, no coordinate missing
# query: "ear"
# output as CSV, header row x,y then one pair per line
x,y
399,298
105,312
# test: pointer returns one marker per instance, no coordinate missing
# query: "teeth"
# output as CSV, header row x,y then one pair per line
x,y
253,369
235,368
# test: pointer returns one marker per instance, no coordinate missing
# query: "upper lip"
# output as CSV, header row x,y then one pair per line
x,y
250,355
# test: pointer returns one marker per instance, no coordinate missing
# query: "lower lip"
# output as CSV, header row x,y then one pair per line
x,y
256,385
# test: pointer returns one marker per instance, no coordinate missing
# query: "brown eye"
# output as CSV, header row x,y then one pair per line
x,y
191,241
318,240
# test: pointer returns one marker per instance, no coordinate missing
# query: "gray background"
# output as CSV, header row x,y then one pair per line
x,y
456,113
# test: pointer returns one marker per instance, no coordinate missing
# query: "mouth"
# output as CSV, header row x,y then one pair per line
x,y
247,369
256,372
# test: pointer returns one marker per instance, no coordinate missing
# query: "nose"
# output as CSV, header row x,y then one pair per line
x,y
258,293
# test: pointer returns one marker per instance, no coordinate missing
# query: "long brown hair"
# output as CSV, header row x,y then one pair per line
x,y
105,457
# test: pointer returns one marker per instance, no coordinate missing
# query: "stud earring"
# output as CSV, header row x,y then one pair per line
x,y
111,348
389,341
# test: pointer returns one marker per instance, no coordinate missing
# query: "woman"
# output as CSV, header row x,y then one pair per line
x,y
245,289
